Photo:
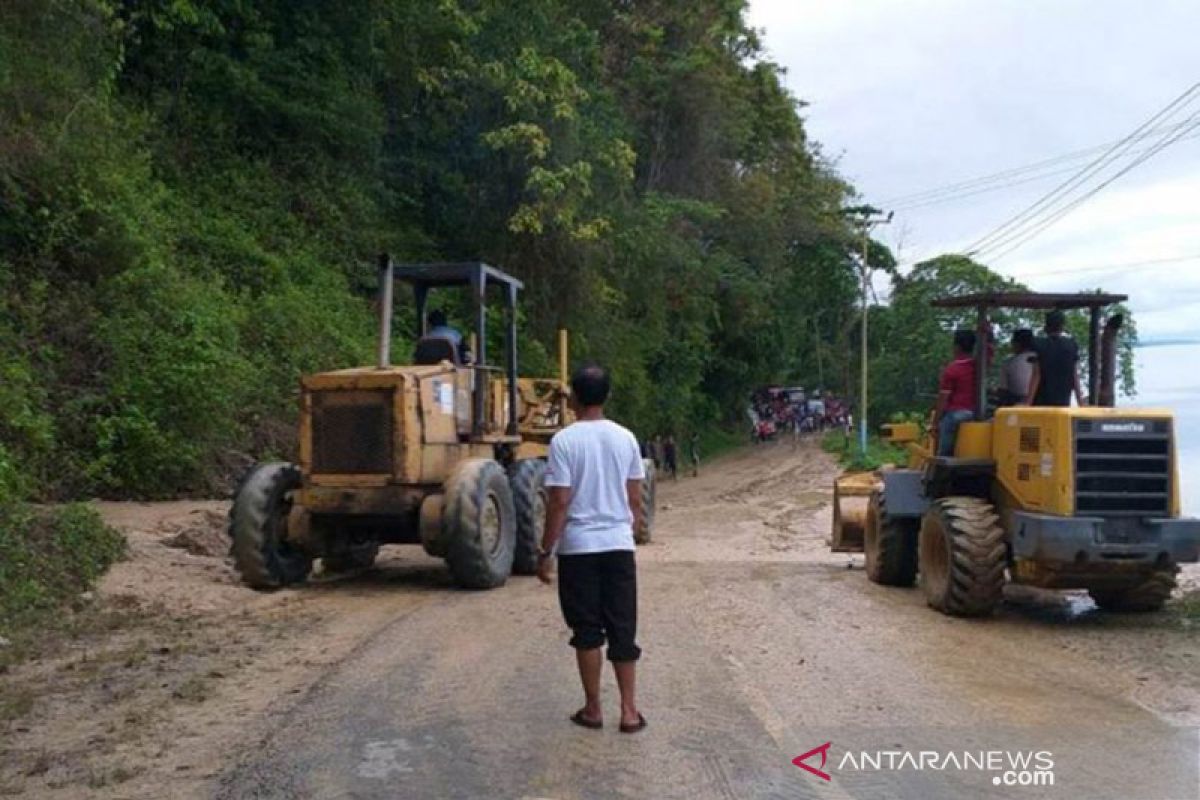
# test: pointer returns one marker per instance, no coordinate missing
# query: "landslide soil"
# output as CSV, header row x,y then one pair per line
x,y
183,683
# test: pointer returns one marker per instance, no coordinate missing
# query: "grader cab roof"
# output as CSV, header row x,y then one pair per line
x,y
463,273
1031,300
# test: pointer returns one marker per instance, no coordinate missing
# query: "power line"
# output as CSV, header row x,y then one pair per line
x,y
1006,175
1029,215
1015,241
1110,155
994,187
1105,267
1079,270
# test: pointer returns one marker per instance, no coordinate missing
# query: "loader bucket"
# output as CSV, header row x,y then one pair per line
x,y
851,492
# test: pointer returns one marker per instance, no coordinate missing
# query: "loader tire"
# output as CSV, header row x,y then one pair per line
x,y
351,558
258,526
527,480
962,556
649,496
479,524
890,545
1149,594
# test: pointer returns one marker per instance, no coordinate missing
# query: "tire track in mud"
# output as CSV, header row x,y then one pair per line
x,y
760,645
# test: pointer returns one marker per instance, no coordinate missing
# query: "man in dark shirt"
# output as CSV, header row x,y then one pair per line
x,y
956,393
1056,370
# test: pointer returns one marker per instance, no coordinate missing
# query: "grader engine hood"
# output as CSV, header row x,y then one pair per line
x,y
368,427
352,431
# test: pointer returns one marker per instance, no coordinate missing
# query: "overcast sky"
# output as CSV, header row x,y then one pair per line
x,y
910,95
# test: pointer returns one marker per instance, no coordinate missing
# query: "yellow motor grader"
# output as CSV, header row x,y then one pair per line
x,y
448,452
1049,497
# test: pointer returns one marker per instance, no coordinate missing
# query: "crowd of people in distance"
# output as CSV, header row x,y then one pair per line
x,y
664,452
775,409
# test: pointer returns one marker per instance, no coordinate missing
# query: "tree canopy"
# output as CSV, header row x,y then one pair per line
x,y
193,193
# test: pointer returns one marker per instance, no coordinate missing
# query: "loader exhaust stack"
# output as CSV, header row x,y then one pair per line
x,y
385,311
1108,361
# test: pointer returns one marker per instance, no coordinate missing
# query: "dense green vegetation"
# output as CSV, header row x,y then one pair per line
x,y
47,558
194,193
849,453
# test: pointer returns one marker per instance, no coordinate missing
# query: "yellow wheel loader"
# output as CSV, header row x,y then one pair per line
x,y
1058,498
448,452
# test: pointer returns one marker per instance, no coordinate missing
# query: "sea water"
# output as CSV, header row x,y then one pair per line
x,y
1168,376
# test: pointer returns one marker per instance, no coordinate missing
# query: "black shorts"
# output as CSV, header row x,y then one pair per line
x,y
598,595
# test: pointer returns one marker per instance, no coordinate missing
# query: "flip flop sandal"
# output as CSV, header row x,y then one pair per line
x,y
635,727
591,724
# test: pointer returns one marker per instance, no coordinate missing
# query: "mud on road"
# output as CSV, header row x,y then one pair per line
x,y
760,645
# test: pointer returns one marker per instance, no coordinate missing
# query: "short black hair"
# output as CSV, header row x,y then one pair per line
x,y
590,384
437,317
1056,320
965,340
1023,338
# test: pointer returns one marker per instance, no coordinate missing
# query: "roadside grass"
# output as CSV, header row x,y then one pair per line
x,y
714,441
1188,607
49,559
846,449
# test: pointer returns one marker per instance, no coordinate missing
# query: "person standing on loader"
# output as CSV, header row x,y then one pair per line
x,y
594,484
1056,371
956,393
1017,372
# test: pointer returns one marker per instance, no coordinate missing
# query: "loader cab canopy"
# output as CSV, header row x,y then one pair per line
x,y
475,276
1100,392
1045,301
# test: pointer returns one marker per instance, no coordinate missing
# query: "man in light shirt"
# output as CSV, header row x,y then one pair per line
x,y
593,483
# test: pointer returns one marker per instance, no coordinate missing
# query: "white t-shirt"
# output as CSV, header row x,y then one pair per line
x,y
594,459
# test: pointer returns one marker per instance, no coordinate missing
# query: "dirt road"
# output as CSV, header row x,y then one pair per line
x,y
760,645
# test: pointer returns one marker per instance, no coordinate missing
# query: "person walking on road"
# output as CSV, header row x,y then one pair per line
x,y
694,452
594,485
670,457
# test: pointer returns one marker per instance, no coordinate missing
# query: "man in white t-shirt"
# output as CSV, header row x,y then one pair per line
x,y
593,483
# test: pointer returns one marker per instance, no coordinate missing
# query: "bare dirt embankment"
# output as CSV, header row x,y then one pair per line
x,y
174,664
186,682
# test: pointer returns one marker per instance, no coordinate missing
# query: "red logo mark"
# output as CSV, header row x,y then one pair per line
x,y
823,750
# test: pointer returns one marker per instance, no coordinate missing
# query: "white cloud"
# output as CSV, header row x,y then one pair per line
x,y
916,95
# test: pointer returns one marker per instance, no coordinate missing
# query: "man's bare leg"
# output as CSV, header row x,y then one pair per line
x,y
591,662
626,672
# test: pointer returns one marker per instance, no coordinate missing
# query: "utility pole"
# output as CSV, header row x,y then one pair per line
x,y
867,222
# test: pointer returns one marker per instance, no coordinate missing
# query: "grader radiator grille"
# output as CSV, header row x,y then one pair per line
x,y
352,432
1123,467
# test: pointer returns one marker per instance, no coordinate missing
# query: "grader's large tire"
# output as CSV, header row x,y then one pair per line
x,y
258,527
479,524
1148,594
645,531
890,545
962,556
527,480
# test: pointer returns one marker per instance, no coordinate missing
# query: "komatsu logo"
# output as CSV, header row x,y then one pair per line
x,y
1123,427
